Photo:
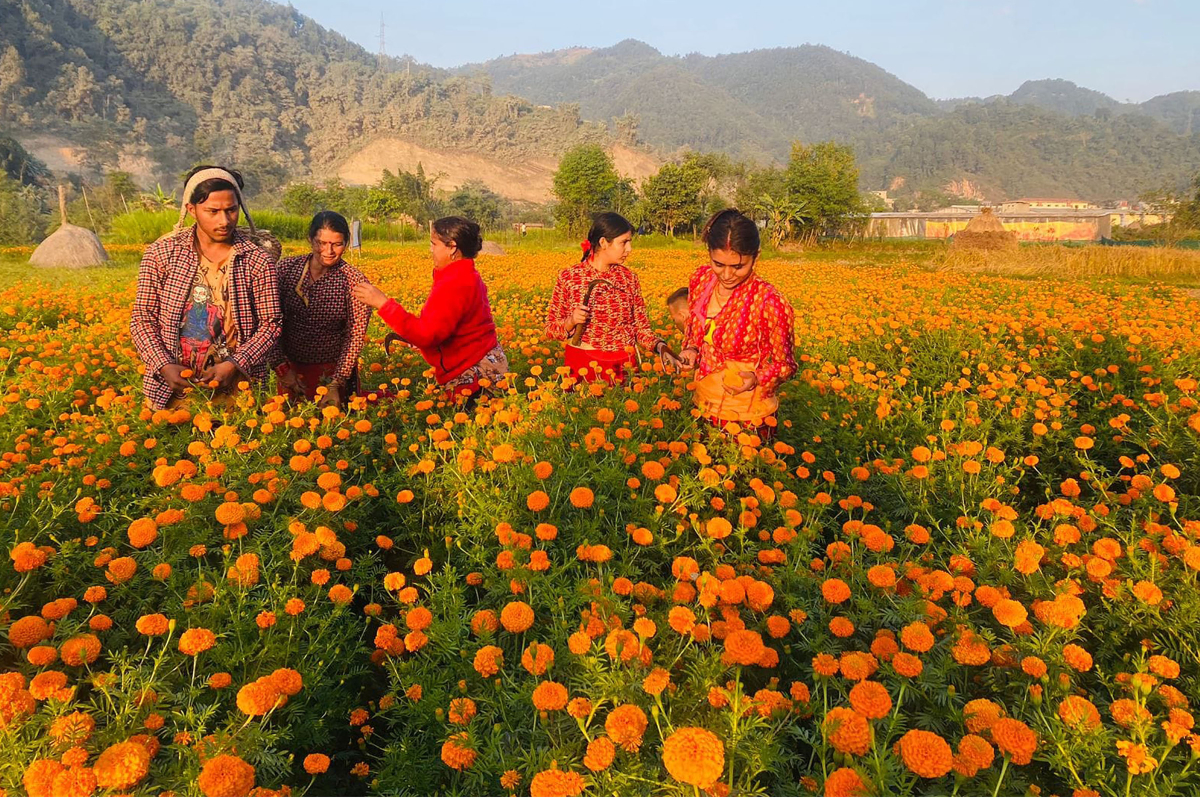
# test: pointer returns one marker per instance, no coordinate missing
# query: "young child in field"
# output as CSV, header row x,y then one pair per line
x,y
677,307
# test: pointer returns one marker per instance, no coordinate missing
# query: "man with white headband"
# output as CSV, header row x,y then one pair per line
x,y
207,311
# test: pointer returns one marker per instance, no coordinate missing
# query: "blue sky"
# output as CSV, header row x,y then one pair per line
x,y
1130,49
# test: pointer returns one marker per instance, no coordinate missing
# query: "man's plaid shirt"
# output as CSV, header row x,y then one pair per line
x,y
164,288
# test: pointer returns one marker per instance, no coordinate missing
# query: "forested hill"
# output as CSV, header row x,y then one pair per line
x,y
249,82
1047,137
154,86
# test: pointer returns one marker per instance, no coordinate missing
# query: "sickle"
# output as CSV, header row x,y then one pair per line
x,y
577,337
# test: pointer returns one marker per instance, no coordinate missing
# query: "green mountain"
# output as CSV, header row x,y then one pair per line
x,y
250,82
1047,137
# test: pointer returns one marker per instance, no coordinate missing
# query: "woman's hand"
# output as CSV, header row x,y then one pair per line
x,y
369,294
749,383
670,362
580,315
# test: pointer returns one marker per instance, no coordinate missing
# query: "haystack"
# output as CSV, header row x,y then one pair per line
x,y
491,249
70,245
985,232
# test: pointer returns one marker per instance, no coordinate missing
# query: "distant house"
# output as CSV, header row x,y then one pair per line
x,y
1040,225
1044,204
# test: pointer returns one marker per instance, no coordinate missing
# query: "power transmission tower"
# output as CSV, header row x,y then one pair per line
x,y
382,45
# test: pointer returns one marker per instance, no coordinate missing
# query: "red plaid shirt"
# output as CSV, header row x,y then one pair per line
x,y
618,311
332,327
164,287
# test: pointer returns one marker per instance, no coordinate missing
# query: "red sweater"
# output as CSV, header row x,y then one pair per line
x,y
455,329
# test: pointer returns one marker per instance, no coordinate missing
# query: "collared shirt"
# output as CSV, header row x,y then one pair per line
x,y
322,322
164,286
618,311
754,326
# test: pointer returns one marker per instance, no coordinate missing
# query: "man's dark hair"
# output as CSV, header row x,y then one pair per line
x,y
205,188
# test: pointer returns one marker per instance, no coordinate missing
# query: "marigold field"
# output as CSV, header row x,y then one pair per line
x,y
968,565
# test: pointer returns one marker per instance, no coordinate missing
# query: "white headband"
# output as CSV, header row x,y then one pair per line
x,y
207,175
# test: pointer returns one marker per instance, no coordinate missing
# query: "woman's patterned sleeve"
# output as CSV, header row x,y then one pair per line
x,y
558,314
356,333
778,361
643,334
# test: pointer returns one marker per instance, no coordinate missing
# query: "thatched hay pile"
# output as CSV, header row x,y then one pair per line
x,y
985,232
70,245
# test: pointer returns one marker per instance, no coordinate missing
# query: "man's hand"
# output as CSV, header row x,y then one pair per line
x,y
749,382
224,374
369,294
173,375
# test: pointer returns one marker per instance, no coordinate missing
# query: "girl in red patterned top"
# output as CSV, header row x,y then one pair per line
x,y
598,306
455,331
740,335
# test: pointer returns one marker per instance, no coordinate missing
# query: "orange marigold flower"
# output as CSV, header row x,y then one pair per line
x,y
1010,613
27,556
917,637
1078,658
456,753
625,725
142,532
488,660
600,754
195,641
871,699
845,782
226,776
516,617
537,658
258,697
974,754
1014,739
316,763
557,783
550,696
743,647
925,753
979,715
28,631
537,501
1079,712
122,766
462,709
80,650
848,731
694,756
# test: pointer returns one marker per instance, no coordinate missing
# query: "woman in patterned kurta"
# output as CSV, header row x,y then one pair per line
x,y
598,306
740,332
324,327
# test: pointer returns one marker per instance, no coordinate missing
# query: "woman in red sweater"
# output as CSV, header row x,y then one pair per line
x,y
455,331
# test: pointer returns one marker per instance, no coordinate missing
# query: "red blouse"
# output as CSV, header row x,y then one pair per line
x,y
618,311
756,325
455,329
